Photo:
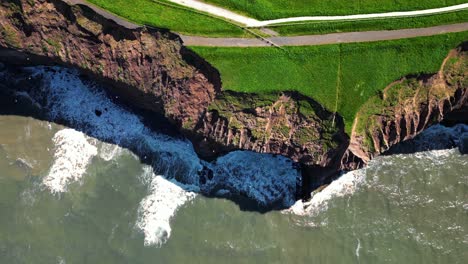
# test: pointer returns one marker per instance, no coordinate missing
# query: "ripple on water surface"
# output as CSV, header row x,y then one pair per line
x,y
406,208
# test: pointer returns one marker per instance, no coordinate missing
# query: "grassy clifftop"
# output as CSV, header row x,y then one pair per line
x,y
323,27
165,14
272,9
341,77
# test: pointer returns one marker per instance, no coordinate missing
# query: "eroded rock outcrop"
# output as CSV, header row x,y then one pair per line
x,y
151,69
408,106
287,123
148,68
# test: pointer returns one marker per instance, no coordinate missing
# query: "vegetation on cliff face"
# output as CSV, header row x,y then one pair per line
x,y
149,68
340,77
285,101
274,123
409,105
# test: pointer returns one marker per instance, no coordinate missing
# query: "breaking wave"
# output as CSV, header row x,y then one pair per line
x,y
266,178
345,185
156,210
109,152
176,173
436,146
72,155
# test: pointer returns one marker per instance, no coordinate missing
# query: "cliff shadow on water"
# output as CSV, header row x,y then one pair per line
x,y
146,65
256,182
155,87
144,71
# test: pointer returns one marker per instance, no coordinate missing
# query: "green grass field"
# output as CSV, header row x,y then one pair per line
x,y
272,9
180,20
311,28
341,77
163,14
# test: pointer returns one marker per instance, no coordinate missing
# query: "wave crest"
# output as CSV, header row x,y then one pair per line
x,y
72,155
157,209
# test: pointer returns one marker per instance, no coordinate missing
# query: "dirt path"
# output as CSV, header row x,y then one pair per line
x,y
251,22
347,37
104,13
217,11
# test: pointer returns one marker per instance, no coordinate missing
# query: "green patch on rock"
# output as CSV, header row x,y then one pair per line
x,y
365,68
10,35
228,102
55,44
90,26
408,96
305,135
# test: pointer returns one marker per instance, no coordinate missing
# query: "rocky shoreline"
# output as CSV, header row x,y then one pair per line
x,y
151,70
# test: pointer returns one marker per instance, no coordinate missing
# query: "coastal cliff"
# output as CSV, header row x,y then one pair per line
x,y
410,105
150,69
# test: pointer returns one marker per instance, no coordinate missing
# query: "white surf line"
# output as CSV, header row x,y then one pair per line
x,y
72,156
161,205
251,22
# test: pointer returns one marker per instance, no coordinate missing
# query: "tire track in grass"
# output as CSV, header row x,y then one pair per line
x,y
338,84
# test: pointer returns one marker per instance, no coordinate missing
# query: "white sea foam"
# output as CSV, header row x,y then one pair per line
x,y
109,152
71,158
65,92
358,248
265,178
61,260
84,106
157,209
345,185
437,137
69,98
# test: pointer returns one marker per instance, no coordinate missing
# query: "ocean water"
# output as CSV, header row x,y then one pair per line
x,y
78,194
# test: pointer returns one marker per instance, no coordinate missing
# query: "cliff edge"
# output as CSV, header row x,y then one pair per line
x,y
151,69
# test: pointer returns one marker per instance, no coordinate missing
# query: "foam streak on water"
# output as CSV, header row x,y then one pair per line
x,y
345,185
265,178
72,155
437,137
109,152
156,210
68,98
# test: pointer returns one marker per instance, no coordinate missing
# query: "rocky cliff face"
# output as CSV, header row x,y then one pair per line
x,y
287,124
408,106
150,69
